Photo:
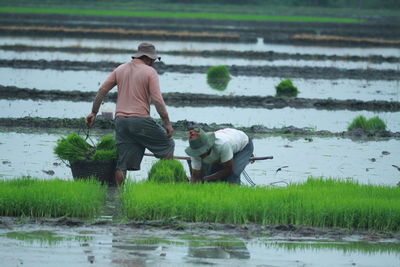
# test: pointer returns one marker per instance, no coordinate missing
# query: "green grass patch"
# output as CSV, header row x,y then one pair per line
x,y
51,198
218,77
43,237
167,171
286,88
318,202
372,124
175,15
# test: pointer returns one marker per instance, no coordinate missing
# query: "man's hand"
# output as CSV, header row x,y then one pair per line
x,y
170,130
90,119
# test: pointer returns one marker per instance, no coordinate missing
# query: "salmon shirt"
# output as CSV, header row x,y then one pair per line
x,y
138,87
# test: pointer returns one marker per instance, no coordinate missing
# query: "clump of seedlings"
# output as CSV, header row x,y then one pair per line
x,y
286,88
218,77
51,198
167,171
372,124
318,203
74,148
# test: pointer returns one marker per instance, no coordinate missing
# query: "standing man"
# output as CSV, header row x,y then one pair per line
x,y
227,151
138,87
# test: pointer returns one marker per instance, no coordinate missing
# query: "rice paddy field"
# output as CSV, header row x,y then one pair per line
x,y
327,198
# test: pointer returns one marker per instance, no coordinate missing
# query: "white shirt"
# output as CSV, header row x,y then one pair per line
x,y
227,142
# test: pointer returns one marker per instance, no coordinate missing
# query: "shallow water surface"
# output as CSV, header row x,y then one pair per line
x,y
90,81
190,45
124,246
366,162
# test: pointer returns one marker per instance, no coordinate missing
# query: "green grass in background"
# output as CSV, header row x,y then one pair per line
x,y
51,198
318,202
176,15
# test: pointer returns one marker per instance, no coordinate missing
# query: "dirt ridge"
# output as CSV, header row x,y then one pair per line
x,y
189,99
267,55
261,71
184,125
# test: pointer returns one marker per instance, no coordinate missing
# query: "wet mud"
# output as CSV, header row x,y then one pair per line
x,y
186,99
375,29
245,230
261,71
267,56
184,125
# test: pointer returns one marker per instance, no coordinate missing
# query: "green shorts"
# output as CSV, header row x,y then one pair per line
x,y
134,135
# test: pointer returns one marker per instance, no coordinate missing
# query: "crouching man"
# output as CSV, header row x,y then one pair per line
x,y
218,156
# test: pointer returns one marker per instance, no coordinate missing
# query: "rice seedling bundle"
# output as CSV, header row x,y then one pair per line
x,y
51,198
218,77
286,88
372,124
318,202
74,148
167,171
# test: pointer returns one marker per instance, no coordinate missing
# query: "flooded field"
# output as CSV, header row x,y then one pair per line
x,y
360,73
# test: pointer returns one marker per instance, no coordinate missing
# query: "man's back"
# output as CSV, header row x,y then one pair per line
x,y
138,86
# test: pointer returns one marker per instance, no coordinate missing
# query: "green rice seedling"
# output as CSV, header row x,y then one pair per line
x,y
376,124
105,155
372,124
218,77
167,171
286,88
51,198
318,202
72,148
106,143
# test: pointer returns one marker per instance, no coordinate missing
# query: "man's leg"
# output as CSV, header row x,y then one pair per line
x,y
240,161
120,177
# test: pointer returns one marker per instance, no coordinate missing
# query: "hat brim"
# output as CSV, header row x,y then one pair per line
x,y
152,56
201,150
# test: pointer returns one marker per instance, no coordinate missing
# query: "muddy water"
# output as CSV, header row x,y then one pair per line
x,y
197,83
366,162
30,245
188,45
196,61
331,120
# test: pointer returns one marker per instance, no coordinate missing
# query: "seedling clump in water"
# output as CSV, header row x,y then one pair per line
x,y
373,124
167,171
286,88
218,77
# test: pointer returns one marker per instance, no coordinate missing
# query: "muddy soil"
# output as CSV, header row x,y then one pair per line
x,y
246,230
263,71
183,99
246,31
184,125
267,56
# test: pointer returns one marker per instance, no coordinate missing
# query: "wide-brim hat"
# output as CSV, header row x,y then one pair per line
x,y
146,49
199,142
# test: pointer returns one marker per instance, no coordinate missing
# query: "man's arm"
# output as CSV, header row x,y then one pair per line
x,y
101,94
221,174
162,111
